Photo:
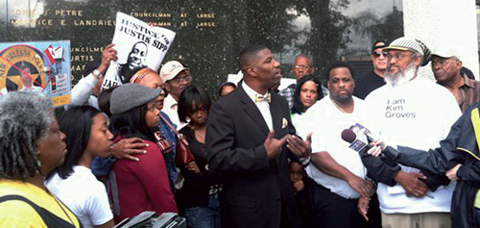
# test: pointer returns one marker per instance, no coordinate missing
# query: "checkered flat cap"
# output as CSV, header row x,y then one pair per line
x,y
405,44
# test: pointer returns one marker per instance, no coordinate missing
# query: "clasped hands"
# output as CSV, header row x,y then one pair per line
x,y
411,182
301,148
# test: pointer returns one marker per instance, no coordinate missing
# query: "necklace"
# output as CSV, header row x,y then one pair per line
x,y
339,108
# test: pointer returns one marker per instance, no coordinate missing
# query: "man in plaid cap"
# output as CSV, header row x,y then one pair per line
x,y
414,111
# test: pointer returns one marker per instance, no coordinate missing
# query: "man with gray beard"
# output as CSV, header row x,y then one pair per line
x,y
413,111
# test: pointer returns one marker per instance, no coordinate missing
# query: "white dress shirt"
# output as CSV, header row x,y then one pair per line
x,y
263,106
170,107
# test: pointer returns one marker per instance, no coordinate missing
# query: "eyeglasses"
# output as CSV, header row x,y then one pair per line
x,y
439,61
398,56
301,67
186,79
377,54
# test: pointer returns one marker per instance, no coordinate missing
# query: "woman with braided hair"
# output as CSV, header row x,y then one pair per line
x,y
31,145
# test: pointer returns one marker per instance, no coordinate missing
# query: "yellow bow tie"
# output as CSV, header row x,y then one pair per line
x,y
260,98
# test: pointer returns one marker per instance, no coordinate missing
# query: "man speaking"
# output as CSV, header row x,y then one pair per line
x,y
249,139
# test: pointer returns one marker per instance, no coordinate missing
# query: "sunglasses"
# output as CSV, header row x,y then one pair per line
x,y
377,54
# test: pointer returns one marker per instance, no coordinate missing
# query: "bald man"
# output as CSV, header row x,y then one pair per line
x,y
135,60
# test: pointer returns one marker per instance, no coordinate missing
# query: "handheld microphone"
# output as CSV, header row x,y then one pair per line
x,y
389,154
356,144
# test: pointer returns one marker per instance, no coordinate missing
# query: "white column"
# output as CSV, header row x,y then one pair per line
x,y
444,22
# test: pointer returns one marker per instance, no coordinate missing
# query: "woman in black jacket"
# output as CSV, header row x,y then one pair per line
x,y
200,192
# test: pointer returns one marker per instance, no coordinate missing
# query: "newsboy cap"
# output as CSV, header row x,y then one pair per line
x,y
405,44
129,96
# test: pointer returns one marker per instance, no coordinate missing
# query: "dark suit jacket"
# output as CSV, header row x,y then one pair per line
x,y
253,186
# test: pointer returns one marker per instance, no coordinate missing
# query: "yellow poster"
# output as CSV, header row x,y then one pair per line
x,y
42,66
21,66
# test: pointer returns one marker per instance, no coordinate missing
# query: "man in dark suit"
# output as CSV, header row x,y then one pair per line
x,y
249,139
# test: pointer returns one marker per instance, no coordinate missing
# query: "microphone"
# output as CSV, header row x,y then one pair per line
x,y
356,144
389,154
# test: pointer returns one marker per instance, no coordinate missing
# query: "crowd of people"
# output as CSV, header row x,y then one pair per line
x,y
256,157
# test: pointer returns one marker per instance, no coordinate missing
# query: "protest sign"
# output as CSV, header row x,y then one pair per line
x,y
138,45
42,66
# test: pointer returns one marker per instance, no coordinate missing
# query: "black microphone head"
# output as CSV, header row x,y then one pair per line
x,y
348,135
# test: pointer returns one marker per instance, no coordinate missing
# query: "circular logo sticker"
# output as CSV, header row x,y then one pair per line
x,y
21,66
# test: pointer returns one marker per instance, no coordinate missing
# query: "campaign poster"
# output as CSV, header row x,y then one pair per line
x,y
43,66
138,45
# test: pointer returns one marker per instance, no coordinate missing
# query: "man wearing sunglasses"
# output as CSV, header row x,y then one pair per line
x,y
175,77
373,79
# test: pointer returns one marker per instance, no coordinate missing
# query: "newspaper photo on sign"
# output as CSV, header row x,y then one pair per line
x,y
138,45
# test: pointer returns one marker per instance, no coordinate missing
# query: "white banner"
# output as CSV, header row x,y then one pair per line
x,y
138,45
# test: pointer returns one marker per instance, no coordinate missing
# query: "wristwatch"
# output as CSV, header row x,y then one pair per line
x,y
97,74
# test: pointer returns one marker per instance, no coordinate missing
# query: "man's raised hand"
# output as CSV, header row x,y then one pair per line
x,y
273,146
298,147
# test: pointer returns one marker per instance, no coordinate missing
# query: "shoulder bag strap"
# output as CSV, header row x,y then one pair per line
x,y
50,219
169,125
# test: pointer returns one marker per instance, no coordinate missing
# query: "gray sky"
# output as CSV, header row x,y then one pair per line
x,y
378,6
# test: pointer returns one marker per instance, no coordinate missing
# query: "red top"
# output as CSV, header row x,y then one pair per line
x,y
141,186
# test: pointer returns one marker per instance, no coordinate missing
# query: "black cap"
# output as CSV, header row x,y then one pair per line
x,y
379,44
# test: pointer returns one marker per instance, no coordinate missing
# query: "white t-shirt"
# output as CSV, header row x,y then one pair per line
x,y
418,114
301,124
327,123
84,195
